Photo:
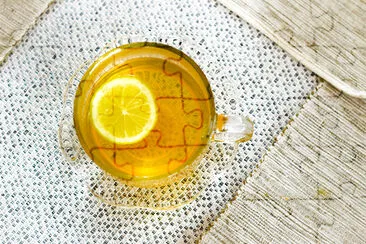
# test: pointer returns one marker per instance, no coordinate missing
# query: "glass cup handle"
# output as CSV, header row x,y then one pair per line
x,y
233,128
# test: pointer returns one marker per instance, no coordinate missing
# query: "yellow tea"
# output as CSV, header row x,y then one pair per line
x,y
144,111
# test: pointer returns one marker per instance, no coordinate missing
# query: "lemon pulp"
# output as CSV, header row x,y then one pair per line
x,y
123,110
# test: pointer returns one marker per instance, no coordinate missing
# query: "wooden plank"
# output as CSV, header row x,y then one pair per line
x,y
329,37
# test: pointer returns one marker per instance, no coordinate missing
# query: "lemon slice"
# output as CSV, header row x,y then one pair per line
x,y
123,110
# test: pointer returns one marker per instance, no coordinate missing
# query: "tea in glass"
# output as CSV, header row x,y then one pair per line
x,y
144,111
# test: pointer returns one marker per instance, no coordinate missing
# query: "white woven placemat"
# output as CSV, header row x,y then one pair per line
x,y
42,199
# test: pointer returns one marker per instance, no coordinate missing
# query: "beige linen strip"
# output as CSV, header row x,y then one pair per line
x,y
16,17
327,36
311,185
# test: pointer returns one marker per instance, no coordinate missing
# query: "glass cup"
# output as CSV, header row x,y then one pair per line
x,y
144,113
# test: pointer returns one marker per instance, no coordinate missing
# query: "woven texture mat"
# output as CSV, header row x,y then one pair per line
x,y
43,199
310,187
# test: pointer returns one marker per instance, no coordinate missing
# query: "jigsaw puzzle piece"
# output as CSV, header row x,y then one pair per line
x,y
172,121
194,84
163,86
151,160
107,150
175,164
182,71
197,130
